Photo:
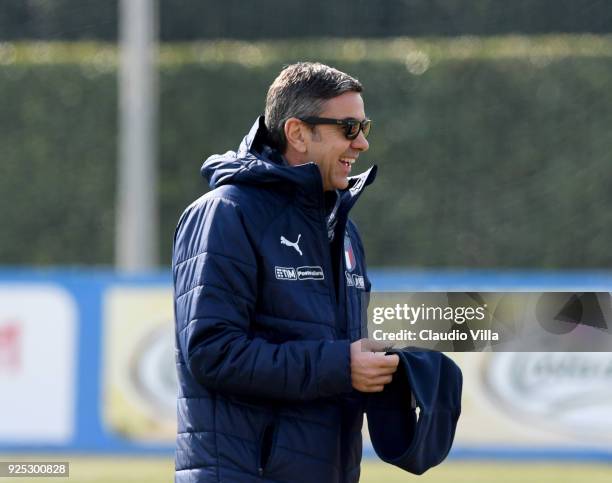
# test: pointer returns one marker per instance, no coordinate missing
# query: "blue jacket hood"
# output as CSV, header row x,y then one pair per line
x,y
256,162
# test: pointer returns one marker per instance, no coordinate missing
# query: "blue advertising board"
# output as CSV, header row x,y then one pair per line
x,y
89,428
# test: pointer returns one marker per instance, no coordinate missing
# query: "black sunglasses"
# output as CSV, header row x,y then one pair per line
x,y
352,127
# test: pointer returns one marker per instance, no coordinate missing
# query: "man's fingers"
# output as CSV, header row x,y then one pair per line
x,y
373,384
369,345
392,360
375,388
383,360
381,371
371,371
381,380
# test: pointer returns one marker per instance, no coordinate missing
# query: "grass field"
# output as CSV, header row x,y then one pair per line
x,y
117,469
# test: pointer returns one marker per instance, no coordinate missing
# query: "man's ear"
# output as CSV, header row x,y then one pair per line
x,y
295,132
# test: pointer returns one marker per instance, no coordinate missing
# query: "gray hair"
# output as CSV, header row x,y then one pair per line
x,y
300,90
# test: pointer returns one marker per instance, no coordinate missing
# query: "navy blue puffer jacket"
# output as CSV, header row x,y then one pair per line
x,y
262,329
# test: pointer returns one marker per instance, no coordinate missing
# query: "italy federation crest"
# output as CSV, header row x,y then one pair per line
x,y
349,256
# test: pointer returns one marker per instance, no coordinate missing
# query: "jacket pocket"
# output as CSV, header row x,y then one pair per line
x,y
266,443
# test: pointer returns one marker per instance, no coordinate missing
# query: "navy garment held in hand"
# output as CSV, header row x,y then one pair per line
x,y
432,382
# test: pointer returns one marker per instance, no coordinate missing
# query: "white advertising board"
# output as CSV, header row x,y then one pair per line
x,y
536,399
38,325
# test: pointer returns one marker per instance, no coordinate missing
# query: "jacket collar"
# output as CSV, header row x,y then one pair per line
x,y
255,140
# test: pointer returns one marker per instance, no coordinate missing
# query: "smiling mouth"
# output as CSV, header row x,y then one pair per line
x,y
347,161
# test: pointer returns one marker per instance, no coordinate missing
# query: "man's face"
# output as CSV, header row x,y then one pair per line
x,y
327,145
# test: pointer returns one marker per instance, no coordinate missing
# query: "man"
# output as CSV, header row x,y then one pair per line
x,y
269,275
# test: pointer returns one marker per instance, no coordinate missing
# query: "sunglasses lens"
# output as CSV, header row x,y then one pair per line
x,y
365,127
352,129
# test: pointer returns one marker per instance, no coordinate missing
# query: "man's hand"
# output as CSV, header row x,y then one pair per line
x,y
370,370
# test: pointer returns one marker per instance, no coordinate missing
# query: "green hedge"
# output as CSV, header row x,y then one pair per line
x,y
261,19
491,153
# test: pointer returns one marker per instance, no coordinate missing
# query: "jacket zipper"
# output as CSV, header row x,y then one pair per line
x,y
327,251
266,443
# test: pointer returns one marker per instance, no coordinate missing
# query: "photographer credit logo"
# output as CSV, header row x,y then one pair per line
x,y
509,321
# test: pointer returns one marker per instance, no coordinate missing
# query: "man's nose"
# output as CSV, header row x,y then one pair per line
x,y
360,143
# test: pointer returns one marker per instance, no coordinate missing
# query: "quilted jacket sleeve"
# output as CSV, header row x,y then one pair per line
x,y
215,282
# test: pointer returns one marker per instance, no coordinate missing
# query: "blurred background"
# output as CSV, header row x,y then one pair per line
x,y
492,133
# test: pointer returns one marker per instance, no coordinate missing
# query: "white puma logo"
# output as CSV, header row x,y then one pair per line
x,y
295,245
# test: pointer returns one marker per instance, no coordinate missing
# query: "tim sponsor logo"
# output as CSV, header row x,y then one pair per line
x,y
285,273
